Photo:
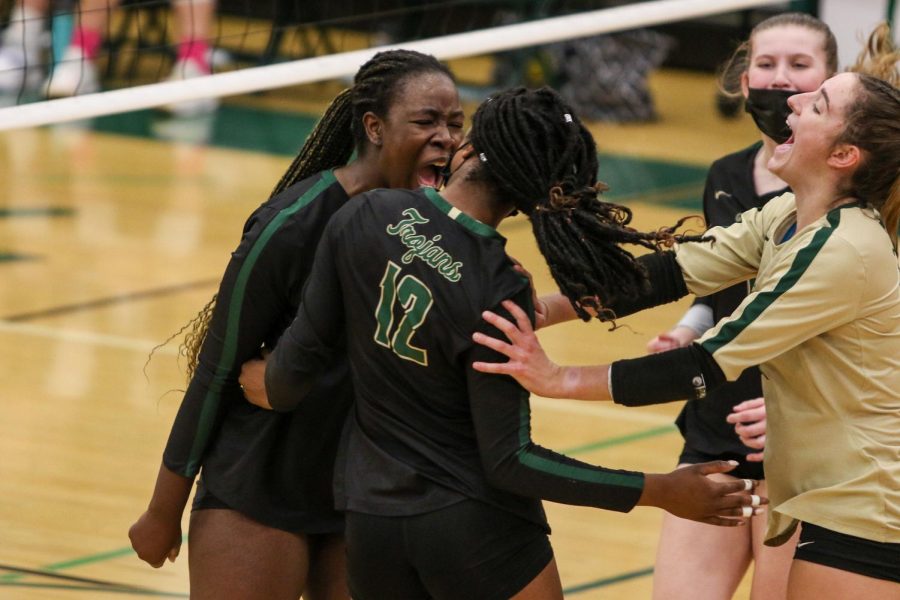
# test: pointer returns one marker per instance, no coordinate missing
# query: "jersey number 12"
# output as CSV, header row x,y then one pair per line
x,y
416,299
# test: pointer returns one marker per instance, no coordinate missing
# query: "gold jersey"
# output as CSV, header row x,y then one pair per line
x,y
823,323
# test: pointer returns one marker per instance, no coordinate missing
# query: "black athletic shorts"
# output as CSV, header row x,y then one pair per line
x,y
822,546
744,470
204,499
467,550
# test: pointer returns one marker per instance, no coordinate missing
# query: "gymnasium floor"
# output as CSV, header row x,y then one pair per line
x,y
113,234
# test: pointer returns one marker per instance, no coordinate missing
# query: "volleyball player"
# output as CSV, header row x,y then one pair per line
x,y
785,54
823,322
263,524
438,474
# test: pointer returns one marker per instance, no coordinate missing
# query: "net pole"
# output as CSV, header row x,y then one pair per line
x,y
485,41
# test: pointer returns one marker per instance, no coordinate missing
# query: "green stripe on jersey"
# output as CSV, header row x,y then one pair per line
x,y
545,465
765,299
460,217
235,303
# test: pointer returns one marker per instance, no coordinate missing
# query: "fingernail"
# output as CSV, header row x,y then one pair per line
x,y
733,462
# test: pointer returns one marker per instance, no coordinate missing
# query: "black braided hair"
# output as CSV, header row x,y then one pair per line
x,y
340,130
329,145
535,152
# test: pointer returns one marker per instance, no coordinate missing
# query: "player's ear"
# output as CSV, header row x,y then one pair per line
x,y
373,127
845,157
466,150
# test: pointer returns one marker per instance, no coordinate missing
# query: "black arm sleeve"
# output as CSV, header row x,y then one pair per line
x,y
684,373
666,285
512,462
251,302
309,344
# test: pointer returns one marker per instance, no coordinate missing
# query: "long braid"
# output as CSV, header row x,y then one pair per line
x,y
539,155
196,329
331,144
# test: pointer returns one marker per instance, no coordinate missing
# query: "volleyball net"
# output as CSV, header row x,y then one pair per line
x,y
252,47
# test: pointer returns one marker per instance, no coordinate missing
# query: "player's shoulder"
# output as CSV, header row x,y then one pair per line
x,y
322,185
373,211
781,205
730,175
382,202
862,229
736,161
729,187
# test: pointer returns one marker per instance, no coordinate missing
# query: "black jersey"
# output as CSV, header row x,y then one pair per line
x,y
410,276
729,192
275,468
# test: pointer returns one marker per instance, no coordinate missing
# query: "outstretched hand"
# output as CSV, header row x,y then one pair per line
x,y
749,420
688,493
528,363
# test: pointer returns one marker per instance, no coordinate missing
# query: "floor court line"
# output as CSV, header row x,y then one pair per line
x,y
49,570
608,581
50,211
607,443
606,410
88,588
86,583
617,441
571,407
109,301
86,337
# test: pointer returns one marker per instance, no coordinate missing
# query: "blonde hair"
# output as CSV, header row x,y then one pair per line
x,y
879,56
731,72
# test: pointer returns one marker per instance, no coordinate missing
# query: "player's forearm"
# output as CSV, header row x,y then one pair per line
x,y
666,284
286,386
170,495
687,373
515,464
558,309
296,363
584,383
652,489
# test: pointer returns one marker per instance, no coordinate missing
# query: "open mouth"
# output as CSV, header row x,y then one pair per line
x,y
432,174
786,144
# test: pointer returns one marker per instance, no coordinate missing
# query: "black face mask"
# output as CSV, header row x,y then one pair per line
x,y
770,111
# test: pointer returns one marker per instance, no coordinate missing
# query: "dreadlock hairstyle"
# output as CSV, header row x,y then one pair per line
x,y
535,152
338,133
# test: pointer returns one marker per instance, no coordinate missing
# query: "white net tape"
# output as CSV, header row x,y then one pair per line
x,y
332,66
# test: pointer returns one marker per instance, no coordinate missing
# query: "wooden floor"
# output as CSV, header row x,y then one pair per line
x,y
109,243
